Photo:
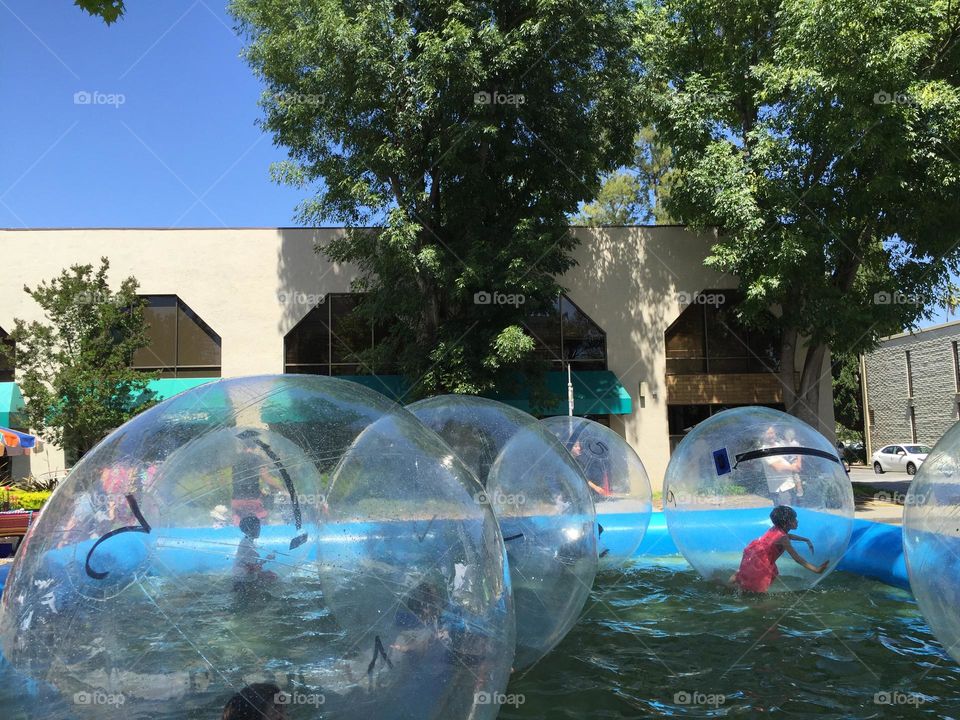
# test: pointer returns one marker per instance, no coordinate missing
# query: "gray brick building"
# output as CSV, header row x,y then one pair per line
x,y
911,386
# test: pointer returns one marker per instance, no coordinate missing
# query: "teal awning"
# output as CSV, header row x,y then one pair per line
x,y
595,392
11,405
168,387
393,386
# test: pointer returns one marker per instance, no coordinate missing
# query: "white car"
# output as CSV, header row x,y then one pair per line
x,y
898,458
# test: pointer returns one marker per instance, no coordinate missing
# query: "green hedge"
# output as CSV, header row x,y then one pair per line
x,y
23,499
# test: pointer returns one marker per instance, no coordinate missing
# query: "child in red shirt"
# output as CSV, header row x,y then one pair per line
x,y
758,568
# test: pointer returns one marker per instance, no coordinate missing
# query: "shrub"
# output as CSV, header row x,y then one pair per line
x,y
14,499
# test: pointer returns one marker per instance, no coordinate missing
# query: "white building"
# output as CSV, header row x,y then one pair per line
x,y
650,354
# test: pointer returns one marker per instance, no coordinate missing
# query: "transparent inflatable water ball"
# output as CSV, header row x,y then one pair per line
x,y
726,476
543,504
617,480
290,532
931,539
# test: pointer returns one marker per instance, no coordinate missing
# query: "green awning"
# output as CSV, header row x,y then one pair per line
x,y
11,405
595,392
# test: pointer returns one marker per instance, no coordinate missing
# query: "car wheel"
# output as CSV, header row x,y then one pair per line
x,y
911,469
877,468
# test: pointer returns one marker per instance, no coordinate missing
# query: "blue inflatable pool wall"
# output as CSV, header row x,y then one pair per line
x,y
875,550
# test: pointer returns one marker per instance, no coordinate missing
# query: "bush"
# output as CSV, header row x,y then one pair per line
x,y
14,499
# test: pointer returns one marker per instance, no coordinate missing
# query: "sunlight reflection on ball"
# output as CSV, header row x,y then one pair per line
x,y
542,502
617,479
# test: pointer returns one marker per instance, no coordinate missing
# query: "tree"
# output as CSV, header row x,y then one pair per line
x,y
109,10
617,203
848,392
470,132
636,195
74,366
820,139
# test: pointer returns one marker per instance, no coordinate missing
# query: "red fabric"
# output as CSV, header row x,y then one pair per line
x,y
15,522
758,568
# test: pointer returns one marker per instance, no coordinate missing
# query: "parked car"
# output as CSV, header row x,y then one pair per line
x,y
906,457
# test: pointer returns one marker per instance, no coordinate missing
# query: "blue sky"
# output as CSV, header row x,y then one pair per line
x,y
181,150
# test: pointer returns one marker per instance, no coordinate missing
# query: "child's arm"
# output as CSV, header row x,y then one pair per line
x,y
800,538
818,569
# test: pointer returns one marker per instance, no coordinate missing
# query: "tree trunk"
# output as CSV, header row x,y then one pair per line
x,y
788,349
807,407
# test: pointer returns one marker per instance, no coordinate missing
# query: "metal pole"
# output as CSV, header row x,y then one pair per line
x,y
570,390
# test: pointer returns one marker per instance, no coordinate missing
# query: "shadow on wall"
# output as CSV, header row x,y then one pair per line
x,y
305,276
646,269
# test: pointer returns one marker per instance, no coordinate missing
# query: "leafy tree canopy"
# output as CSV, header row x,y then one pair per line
x,y
470,132
637,195
822,139
73,367
109,10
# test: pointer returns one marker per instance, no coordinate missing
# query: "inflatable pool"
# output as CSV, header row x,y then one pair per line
x,y
875,551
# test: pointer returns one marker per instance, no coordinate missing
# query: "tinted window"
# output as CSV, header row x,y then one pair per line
x,y
181,343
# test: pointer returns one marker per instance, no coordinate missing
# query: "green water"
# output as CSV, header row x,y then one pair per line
x,y
651,634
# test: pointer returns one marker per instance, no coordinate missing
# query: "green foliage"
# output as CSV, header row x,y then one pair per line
x,y
109,10
822,139
470,132
14,499
617,203
848,395
636,196
74,366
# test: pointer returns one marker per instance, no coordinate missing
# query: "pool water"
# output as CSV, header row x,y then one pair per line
x,y
660,641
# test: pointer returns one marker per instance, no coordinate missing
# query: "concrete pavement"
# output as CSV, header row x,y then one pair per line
x,y
879,497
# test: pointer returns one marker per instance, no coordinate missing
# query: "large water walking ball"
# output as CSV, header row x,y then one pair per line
x,y
617,479
731,470
301,531
931,539
543,504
